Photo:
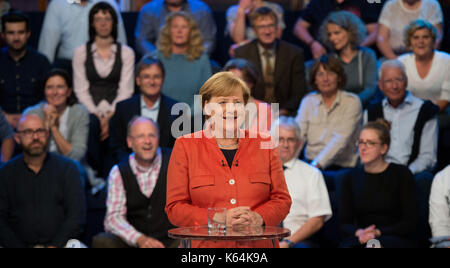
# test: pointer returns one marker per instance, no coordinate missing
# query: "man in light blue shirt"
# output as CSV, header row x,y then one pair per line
x,y
66,27
153,16
414,125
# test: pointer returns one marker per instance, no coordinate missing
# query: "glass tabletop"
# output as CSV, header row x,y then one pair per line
x,y
235,233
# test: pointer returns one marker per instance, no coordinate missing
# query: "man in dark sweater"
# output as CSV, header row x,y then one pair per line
x,y
41,199
135,214
21,68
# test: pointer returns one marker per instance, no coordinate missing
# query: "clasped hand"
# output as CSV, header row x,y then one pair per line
x,y
243,216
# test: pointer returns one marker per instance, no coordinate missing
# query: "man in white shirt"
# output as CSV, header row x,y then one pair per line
x,y
310,202
440,206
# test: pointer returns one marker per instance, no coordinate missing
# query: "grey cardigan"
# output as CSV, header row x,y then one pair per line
x,y
77,124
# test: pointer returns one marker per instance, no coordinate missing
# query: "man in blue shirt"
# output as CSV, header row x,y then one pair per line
x,y
153,16
21,68
414,126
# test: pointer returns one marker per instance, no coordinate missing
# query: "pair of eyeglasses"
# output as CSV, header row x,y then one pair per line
x,y
41,132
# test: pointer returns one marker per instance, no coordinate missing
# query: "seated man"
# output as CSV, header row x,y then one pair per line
x,y
135,214
153,16
440,208
41,199
280,63
414,129
6,139
150,103
20,80
310,202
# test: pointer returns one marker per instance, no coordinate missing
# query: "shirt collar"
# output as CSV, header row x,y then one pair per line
x,y
261,49
336,101
78,2
113,49
185,6
408,100
155,106
290,164
137,169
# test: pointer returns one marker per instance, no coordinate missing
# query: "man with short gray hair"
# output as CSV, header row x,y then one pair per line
x,y
310,202
414,131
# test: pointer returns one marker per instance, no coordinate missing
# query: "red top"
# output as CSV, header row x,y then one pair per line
x,y
198,179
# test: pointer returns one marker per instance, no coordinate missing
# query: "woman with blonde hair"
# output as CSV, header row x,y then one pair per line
x,y
225,166
180,48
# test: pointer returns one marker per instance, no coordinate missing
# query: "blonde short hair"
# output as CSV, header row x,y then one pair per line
x,y
418,25
223,84
195,44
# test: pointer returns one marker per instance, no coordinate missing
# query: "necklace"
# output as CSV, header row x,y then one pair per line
x,y
227,146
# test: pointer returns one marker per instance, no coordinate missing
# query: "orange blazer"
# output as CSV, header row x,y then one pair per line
x,y
199,177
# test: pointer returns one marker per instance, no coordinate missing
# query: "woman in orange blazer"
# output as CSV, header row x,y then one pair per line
x,y
223,166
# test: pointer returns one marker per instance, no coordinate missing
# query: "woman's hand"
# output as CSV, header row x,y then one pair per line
x,y
243,216
51,116
364,235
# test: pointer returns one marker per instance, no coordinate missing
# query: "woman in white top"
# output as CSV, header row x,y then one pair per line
x,y
440,205
427,69
396,15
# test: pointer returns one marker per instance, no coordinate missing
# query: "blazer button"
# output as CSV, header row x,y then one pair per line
x,y
231,182
233,201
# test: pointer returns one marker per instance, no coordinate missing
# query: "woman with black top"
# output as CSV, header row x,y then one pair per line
x,y
378,199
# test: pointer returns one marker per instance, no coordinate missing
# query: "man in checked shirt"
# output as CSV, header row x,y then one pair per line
x,y
135,214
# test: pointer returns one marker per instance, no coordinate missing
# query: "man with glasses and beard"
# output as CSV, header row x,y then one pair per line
x,y
41,199
19,77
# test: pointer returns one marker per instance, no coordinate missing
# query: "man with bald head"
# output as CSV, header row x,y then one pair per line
x,y
41,199
135,214
414,127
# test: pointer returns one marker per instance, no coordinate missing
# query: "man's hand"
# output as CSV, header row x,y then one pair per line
x,y
317,50
148,242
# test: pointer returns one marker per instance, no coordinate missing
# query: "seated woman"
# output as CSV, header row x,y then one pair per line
x,y
259,119
378,201
223,166
427,69
396,15
329,118
67,122
180,48
343,32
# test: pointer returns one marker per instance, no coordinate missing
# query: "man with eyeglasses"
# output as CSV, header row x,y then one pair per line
x,y
310,202
41,198
135,214
280,63
414,129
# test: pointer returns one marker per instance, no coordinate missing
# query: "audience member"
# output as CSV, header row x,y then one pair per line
x,y
180,48
137,193
65,29
41,200
6,139
253,189
343,32
260,113
149,103
20,80
238,16
329,118
103,69
440,207
152,18
378,200
280,63
414,124
307,27
427,68
67,122
4,8
310,202
394,18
